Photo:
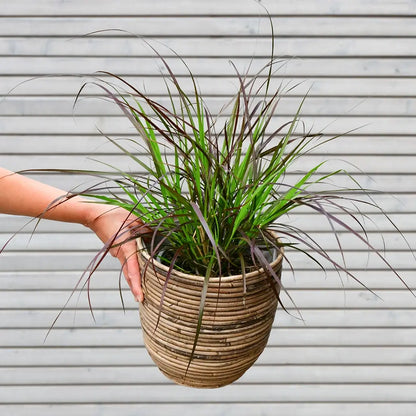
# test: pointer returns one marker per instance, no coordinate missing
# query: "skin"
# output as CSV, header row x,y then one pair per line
x,y
20,195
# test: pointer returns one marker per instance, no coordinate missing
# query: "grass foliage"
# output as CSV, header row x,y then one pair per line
x,y
215,185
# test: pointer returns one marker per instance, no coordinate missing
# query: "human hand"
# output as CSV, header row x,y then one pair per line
x,y
114,225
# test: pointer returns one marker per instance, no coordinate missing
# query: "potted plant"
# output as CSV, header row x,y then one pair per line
x,y
211,270
217,192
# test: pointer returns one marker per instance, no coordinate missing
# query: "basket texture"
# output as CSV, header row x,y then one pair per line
x,y
235,327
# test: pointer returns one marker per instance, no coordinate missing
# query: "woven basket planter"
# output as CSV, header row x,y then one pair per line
x,y
235,326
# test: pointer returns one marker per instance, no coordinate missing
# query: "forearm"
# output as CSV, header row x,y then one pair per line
x,y
20,195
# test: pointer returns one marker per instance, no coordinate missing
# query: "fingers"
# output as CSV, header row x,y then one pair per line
x,y
117,228
127,255
131,271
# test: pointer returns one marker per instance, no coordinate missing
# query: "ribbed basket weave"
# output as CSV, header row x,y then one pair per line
x,y
235,326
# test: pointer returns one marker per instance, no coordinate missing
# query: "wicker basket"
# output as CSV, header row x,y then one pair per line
x,y
235,326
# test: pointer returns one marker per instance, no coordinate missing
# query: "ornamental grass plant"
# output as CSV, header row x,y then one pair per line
x,y
218,189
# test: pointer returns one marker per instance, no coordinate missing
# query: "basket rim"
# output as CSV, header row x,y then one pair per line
x,y
142,251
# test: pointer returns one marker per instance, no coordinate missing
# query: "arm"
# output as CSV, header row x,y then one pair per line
x,y
20,195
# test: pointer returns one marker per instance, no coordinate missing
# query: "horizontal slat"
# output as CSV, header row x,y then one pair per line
x,y
67,261
392,192
97,145
46,241
377,78
232,46
341,64
56,261
298,47
303,299
128,356
216,7
369,164
126,337
56,125
250,393
88,241
212,409
313,318
259,374
300,279
206,26
315,106
14,223
309,222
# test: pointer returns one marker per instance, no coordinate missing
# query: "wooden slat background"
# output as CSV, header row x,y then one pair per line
x,y
355,352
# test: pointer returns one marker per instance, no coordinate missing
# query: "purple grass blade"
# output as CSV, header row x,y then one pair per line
x,y
208,232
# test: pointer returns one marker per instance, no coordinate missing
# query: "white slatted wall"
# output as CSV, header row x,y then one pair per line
x,y
355,353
